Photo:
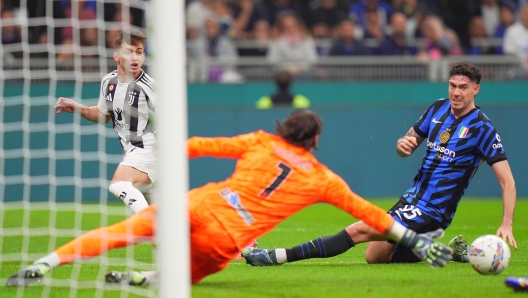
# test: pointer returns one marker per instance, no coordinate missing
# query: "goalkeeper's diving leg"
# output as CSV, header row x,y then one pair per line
x,y
138,228
423,247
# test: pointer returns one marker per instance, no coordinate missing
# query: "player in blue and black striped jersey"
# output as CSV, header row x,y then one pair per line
x,y
459,137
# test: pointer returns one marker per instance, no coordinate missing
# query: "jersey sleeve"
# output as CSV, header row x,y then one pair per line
x,y
421,127
230,147
340,195
490,144
101,104
150,94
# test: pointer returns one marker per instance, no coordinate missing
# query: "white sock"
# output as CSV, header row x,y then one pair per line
x,y
130,195
151,277
146,191
280,254
52,259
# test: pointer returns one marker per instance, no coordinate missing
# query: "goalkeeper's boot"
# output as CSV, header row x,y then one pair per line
x,y
252,245
133,278
518,284
260,257
28,275
460,249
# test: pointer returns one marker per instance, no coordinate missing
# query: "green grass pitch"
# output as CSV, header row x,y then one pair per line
x,y
346,275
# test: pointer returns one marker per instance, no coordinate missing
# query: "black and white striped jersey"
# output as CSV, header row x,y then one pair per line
x,y
132,108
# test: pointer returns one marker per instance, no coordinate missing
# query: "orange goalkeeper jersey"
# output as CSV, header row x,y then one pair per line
x,y
273,179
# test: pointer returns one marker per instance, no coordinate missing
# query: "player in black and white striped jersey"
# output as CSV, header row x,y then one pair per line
x,y
127,98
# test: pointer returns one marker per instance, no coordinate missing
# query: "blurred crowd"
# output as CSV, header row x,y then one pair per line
x,y
66,31
300,32
292,30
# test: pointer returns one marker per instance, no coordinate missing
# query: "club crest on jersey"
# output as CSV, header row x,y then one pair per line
x,y
462,133
131,96
444,137
111,87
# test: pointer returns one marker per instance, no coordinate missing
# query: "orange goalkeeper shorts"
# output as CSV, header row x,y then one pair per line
x,y
212,248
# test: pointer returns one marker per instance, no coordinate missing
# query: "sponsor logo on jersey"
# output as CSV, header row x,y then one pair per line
x,y
118,114
442,152
233,199
119,125
499,145
123,128
444,137
462,133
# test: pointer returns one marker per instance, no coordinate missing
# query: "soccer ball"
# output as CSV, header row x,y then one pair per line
x,y
489,254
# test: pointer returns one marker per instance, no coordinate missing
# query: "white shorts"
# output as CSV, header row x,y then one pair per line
x,y
145,160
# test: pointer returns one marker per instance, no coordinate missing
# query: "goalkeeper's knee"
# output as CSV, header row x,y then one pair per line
x,y
130,195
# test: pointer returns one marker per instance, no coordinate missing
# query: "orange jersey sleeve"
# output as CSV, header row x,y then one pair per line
x,y
340,195
230,147
273,180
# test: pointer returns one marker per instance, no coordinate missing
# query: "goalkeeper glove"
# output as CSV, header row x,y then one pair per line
x,y
432,253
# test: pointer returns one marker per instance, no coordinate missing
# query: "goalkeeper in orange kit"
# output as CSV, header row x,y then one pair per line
x,y
276,175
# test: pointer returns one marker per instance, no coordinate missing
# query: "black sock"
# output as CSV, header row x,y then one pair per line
x,y
325,247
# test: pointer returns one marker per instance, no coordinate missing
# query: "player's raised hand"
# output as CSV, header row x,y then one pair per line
x,y
405,145
65,105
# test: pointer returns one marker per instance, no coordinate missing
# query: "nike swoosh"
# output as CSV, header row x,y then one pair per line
x,y
436,121
398,213
311,241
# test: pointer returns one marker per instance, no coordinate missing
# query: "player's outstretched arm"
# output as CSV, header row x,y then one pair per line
x,y
89,113
509,194
434,254
406,145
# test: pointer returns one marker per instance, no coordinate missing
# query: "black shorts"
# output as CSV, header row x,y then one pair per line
x,y
414,219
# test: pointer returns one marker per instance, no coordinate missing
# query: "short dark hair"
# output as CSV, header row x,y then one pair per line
x,y
300,128
471,71
134,37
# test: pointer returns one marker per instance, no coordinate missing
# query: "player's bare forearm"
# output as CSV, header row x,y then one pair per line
x,y
93,114
406,145
505,230
509,197
89,113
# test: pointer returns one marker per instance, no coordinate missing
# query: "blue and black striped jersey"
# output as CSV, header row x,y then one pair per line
x,y
454,150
